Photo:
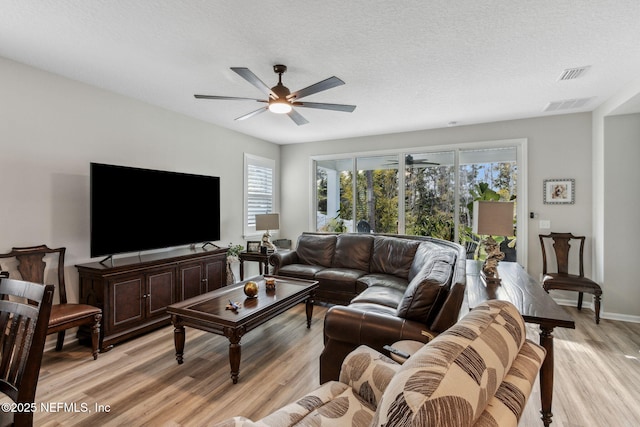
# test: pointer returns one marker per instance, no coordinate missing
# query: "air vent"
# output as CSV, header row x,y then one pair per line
x,y
567,104
572,73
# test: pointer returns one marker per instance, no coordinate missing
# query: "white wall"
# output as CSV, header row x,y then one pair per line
x,y
621,206
51,128
615,158
558,147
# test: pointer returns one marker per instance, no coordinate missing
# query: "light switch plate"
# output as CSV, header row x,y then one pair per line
x,y
545,223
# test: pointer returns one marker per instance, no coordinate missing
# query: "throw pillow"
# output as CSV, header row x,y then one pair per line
x,y
426,292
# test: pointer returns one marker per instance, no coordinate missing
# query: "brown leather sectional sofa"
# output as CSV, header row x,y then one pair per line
x,y
391,287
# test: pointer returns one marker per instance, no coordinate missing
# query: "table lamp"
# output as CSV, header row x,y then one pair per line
x,y
492,219
268,222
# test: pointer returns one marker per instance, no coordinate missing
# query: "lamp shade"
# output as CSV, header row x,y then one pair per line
x,y
493,218
268,221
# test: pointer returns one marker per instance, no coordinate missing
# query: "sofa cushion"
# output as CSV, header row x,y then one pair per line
x,y
300,271
451,380
382,295
393,256
428,288
380,279
339,279
314,249
368,372
422,253
353,251
333,404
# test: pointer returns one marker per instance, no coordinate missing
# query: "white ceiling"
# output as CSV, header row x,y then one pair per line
x,y
408,65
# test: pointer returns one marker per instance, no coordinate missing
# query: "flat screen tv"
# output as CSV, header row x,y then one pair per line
x,y
135,209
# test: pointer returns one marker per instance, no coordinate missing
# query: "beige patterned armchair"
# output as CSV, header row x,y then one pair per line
x,y
477,373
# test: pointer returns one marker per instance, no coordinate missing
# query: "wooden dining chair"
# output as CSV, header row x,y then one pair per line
x,y
64,315
24,314
562,279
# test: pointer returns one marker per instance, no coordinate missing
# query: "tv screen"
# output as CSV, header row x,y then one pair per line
x,y
136,209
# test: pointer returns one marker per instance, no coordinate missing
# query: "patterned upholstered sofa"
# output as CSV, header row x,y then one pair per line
x,y
477,373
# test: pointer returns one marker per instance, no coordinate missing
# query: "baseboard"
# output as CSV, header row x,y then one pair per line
x,y
69,337
603,314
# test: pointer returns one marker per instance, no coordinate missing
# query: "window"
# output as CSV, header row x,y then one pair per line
x,y
362,193
377,194
486,174
429,196
258,190
334,195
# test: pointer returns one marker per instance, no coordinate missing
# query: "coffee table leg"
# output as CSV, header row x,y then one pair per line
x,y
310,302
178,339
235,349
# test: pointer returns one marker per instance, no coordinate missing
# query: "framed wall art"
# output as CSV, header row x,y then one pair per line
x,y
559,191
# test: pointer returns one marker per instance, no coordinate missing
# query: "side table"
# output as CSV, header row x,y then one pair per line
x,y
260,258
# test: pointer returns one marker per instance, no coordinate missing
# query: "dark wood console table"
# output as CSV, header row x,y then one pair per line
x,y
535,306
134,292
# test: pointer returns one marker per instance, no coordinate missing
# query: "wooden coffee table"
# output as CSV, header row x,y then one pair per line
x,y
208,312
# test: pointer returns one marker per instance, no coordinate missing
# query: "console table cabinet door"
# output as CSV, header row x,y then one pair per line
x,y
160,292
191,280
199,277
216,274
127,307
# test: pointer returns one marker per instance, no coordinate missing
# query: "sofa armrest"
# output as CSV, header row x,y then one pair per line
x,y
280,259
368,372
346,328
507,405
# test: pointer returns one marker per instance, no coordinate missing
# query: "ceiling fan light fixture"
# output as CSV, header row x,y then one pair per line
x,y
280,100
279,106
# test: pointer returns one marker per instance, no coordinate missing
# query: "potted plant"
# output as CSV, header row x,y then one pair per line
x,y
233,255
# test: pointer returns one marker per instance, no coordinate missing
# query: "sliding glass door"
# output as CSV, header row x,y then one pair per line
x,y
334,195
429,194
376,194
363,193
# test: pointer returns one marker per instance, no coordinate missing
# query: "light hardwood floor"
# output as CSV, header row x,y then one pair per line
x,y
597,380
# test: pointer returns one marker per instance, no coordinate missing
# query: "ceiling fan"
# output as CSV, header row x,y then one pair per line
x,y
409,161
280,99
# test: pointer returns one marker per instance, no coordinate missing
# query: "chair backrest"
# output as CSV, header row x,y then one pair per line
x,y
363,226
561,247
31,265
24,316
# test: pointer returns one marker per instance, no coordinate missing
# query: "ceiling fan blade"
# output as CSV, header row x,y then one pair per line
x,y
253,113
325,106
329,83
248,75
297,117
231,98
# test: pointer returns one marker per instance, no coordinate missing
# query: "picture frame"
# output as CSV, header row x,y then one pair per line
x,y
559,191
253,246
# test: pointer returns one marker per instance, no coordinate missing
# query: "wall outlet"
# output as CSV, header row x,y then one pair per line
x,y
545,223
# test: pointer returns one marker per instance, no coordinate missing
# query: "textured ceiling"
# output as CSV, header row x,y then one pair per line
x,y
408,65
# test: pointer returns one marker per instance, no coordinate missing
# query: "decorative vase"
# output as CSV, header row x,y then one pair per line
x,y
231,278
